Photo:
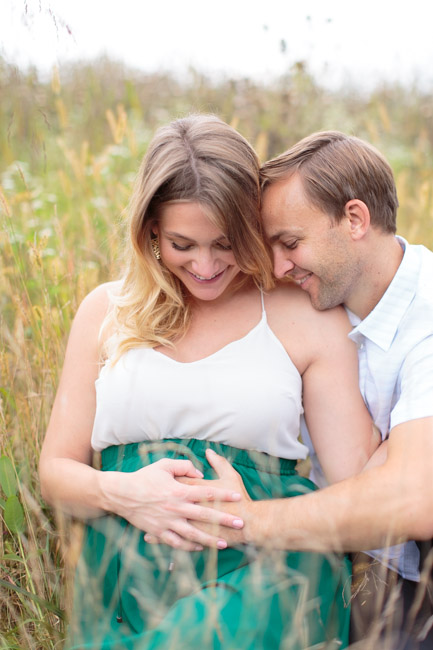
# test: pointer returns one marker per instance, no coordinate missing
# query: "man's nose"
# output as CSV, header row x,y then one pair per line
x,y
282,265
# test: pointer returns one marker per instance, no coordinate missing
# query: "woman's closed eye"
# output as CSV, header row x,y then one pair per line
x,y
178,247
224,246
186,247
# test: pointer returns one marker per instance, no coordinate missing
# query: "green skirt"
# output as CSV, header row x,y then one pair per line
x,y
133,595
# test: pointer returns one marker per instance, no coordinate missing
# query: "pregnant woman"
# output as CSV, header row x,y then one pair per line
x,y
195,349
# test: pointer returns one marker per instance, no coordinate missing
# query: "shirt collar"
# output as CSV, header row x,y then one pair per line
x,y
381,324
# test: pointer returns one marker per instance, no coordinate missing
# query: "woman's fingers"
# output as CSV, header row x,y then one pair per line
x,y
196,526
152,539
185,468
202,490
185,535
180,468
183,544
207,491
208,515
176,541
170,538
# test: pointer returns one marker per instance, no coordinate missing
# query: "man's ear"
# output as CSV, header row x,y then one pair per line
x,y
358,218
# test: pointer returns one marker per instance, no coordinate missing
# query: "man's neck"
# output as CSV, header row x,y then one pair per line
x,y
384,256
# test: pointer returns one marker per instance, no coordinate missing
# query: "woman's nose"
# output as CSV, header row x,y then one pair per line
x,y
204,263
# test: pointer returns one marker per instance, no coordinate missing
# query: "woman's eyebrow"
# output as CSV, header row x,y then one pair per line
x,y
171,233
178,235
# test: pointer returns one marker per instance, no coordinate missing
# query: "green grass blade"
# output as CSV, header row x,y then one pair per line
x,y
8,479
4,584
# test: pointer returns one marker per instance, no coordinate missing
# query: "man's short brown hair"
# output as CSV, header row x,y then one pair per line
x,y
336,168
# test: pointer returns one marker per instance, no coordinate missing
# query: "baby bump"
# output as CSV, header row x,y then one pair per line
x,y
150,578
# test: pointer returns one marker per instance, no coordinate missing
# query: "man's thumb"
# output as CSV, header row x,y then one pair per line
x,y
220,464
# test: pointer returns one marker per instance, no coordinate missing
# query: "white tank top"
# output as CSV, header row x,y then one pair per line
x,y
248,395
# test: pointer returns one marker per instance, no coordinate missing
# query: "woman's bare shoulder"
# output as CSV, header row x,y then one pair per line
x,y
100,298
94,308
287,293
306,333
289,301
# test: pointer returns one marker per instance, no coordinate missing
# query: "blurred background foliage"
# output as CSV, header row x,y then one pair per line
x,y
70,147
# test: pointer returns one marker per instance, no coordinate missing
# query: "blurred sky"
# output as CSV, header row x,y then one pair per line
x,y
342,41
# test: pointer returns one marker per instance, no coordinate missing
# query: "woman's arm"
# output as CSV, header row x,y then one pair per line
x,y
150,498
339,424
67,478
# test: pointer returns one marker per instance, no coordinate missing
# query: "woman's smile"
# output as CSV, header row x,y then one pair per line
x,y
195,250
200,278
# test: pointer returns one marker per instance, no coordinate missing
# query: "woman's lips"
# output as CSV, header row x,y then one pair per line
x,y
203,280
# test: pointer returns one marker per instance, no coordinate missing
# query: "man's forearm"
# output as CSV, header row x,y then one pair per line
x,y
383,505
364,512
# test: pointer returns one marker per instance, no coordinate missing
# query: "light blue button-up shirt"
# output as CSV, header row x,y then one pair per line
x,y
395,351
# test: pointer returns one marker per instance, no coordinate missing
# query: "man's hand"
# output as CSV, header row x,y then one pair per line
x,y
228,479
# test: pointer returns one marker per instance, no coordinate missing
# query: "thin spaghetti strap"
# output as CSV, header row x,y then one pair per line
x,y
263,302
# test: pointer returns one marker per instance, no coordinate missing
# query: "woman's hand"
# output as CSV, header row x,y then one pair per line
x,y
154,501
229,481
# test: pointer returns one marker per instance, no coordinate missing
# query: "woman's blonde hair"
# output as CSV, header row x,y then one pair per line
x,y
199,159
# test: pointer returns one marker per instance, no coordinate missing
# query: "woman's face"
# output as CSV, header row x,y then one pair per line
x,y
195,250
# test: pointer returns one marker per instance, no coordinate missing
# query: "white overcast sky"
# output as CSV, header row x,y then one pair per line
x,y
342,41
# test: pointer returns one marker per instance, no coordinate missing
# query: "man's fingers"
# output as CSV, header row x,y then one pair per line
x,y
220,464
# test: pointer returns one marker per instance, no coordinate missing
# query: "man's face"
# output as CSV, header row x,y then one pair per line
x,y
308,246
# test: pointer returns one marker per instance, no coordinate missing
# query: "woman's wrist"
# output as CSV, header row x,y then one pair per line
x,y
108,491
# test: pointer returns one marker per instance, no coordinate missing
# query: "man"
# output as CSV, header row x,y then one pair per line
x,y
329,212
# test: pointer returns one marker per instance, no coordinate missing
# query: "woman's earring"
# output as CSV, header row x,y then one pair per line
x,y
155,248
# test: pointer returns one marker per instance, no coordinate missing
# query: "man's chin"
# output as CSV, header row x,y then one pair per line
x,y
322,303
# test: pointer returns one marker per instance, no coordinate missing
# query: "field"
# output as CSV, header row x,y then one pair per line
x,y
69,151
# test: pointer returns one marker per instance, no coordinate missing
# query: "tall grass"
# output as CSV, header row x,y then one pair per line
x,y
69,150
